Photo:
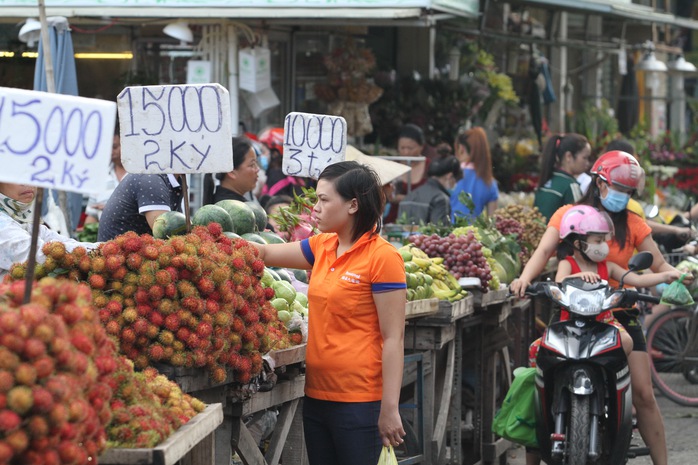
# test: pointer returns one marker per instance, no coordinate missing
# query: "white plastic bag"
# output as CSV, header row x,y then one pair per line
x,y
54,218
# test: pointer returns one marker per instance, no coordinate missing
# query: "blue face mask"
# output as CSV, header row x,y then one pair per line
x,y
263,162
615,201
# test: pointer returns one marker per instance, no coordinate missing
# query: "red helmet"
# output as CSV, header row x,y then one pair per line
x,y
620,169
273,138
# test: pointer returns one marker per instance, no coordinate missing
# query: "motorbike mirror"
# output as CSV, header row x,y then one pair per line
x,y
638,262
651,211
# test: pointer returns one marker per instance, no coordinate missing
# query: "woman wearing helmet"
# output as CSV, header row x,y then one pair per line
x,y
277,183
616,176
582,252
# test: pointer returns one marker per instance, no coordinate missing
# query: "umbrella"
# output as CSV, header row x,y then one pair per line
x,y
66,83
628,100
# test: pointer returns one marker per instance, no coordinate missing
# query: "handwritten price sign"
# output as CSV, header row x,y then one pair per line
x,y
312,142
176,129
55,141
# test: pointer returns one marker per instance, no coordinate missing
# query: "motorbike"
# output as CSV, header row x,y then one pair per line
x,y
583,392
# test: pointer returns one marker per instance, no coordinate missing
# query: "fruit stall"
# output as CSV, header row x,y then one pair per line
x,y
165,348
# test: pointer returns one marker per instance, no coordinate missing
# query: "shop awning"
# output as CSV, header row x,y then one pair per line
x,y
245,9
620,9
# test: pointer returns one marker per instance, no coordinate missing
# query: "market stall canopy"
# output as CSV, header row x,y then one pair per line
x,y
388,171
266,9
618,8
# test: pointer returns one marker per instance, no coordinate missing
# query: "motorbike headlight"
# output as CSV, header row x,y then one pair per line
x,y
613,300
586,302
556,294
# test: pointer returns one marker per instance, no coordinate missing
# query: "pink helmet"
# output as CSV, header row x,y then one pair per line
x,y
583,220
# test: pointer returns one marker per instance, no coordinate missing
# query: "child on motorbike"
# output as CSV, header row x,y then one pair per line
x,y
582,253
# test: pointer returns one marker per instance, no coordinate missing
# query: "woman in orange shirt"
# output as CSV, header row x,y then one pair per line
x,y
616,176
356,302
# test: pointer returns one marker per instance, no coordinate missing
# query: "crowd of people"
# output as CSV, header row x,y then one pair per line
x,y
354,365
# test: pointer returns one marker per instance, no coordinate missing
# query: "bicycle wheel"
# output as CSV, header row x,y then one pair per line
x,y
673,355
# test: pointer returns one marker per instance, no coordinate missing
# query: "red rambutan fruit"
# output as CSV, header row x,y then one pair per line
x,y
204,330
128,335
156,352
132,244
150,252
166,337
134,261
113,328
156,318
238,263
113,262
83,343
9,421
18,440
130,315
163,277
109,248
172,322
37,426
258,266
206,285
193,341
44,367
156,293
69,452
178,359
214,229
140,326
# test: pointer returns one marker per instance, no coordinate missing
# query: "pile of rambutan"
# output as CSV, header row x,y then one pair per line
x,y
55,364
188,301
146,408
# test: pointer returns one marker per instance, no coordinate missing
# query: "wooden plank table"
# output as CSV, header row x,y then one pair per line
x,y
192,444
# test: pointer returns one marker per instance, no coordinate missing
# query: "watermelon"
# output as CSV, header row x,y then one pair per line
x,y
213,214
252,237
300,275
230,235
242,215
169,224
284,274
271,238
260,216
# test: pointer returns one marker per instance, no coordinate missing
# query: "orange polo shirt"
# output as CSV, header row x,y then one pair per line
x,y
637,231
344,353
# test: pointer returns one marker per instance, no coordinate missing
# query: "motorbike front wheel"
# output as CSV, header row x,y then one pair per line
x,y
578,430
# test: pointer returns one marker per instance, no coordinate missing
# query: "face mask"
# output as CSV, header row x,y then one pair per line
x,y
263,162
615,201
596,252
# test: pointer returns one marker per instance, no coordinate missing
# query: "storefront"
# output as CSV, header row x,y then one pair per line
x,y
298,35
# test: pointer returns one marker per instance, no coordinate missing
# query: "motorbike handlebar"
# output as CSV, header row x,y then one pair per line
x,y
632,296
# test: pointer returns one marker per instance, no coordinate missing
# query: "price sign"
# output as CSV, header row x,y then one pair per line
x,y
176,129
55,141
312,142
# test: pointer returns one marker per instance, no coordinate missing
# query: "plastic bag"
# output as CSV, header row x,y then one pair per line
x,y
387,456
516,420
54,218
677,294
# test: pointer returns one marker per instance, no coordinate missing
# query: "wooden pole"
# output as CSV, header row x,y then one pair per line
x,y
31,263
185,192
38,202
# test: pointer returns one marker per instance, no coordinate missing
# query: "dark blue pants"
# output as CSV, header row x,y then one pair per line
x,y
341,433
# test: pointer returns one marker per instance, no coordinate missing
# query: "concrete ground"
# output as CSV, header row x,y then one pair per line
x,y
680,426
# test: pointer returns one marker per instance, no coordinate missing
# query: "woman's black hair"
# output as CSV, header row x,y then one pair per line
x,y
412,131
556,148
276,200
448,164
592,197
565,247
241,145
353,180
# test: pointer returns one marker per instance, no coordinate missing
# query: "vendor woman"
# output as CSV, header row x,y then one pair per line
x,y
16,215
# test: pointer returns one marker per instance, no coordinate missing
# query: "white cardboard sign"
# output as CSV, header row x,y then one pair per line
x,y
312,142
176,129
55,141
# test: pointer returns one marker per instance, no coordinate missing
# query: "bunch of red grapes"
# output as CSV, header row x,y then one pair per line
x,y
463,255
509,226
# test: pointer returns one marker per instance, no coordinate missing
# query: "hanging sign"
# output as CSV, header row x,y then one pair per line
x,y
254,69
55,141
176,129
312,142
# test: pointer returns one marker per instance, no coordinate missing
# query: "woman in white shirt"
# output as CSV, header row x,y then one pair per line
x,y
16,215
